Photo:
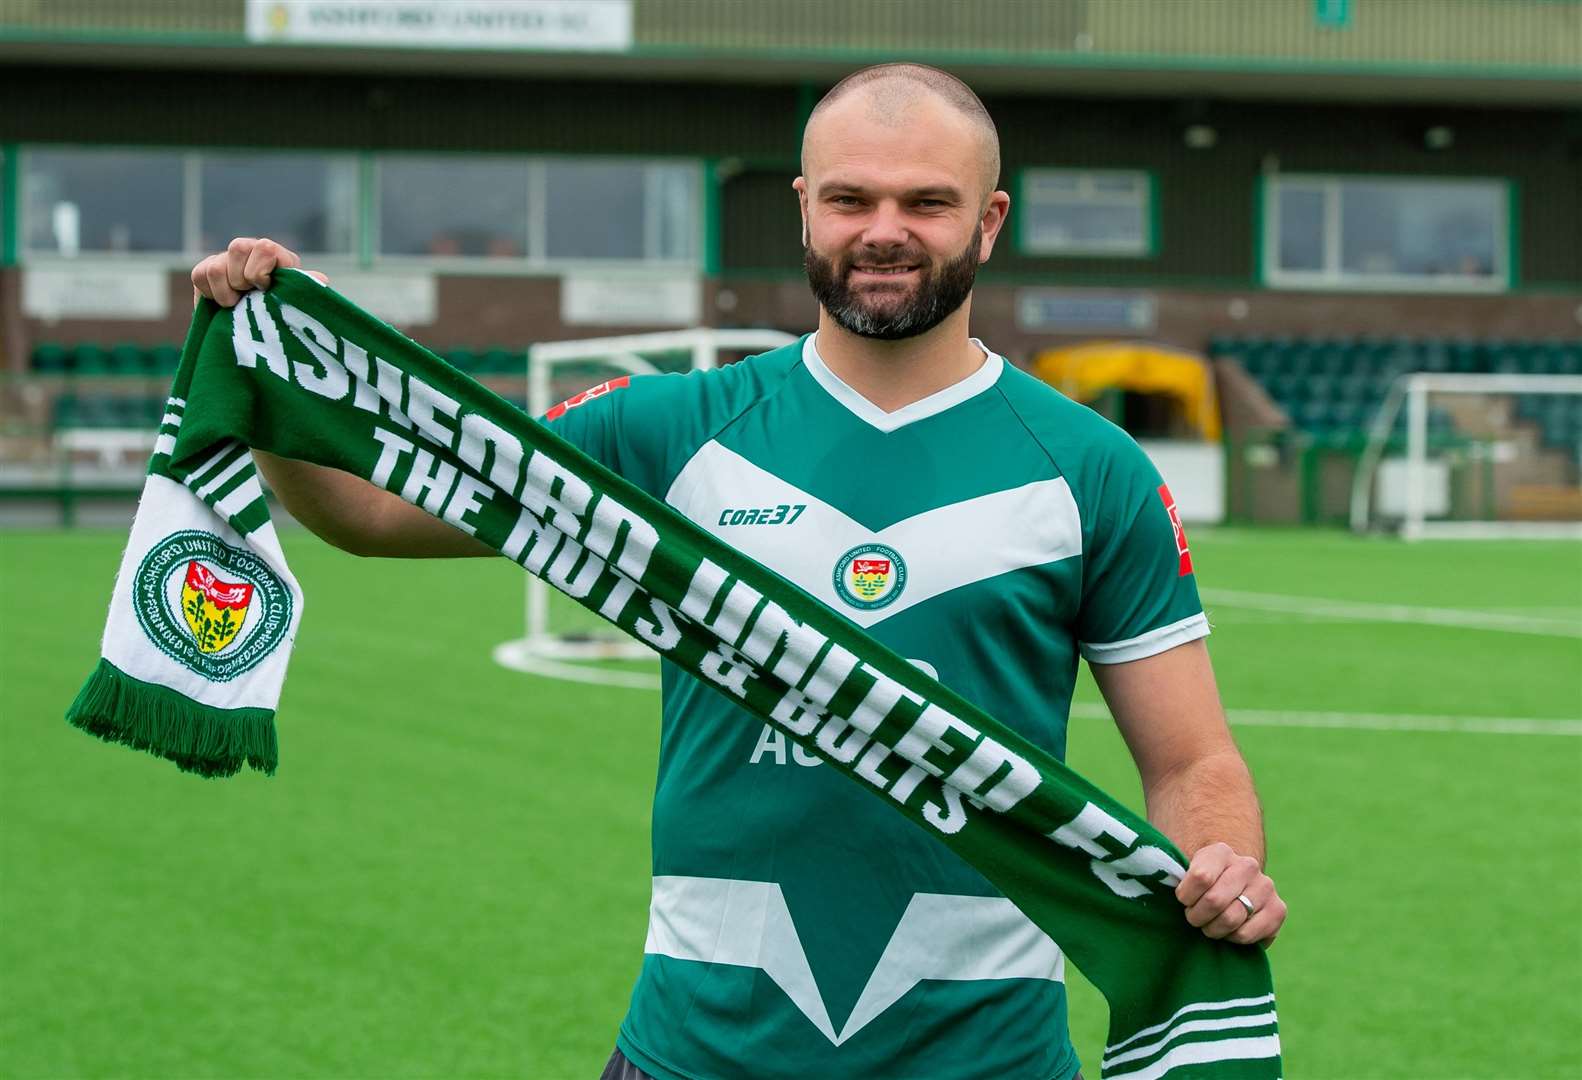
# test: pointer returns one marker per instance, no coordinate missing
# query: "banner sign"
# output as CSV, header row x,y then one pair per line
x,y
500,25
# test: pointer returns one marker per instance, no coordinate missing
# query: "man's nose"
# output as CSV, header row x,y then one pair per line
x,y
887,227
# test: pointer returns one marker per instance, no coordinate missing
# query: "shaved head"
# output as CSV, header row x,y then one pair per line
x,y
890,95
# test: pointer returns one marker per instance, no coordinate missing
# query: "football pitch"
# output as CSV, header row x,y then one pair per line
x,y
449,875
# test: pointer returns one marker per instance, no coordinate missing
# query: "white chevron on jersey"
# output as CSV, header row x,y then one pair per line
x,y
747,924
945,548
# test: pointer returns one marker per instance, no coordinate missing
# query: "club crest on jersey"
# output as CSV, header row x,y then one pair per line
x,y
586,396
870,576
211,607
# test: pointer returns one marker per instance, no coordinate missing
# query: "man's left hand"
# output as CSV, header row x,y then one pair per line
x,y
1212,889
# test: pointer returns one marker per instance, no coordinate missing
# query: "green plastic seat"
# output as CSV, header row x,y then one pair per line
x,y
90,360
163,359
49,359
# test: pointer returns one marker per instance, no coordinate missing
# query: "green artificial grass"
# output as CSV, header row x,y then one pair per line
x,y
434,886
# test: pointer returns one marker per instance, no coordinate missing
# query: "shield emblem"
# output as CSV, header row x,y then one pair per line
x,y
215,610
869,576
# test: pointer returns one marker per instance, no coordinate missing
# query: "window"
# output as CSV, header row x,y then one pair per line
x,y
450,206
308,202
1095,212
538,211
1385,232
463,211
102,201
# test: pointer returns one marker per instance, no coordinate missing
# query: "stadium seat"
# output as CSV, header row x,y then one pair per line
x,y
125,359
164,359
90,360
49,359
503,362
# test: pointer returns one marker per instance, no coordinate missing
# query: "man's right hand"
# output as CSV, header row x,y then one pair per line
x,y
244,265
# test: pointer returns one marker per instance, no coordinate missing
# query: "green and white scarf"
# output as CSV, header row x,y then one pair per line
x,y
205,610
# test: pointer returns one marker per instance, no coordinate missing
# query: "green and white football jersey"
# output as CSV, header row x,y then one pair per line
x,y
992,532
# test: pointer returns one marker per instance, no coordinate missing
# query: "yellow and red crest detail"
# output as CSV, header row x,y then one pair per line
x,y
870,576
215,610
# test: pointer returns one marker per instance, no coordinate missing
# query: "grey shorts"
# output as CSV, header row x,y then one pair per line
x,y
620,1067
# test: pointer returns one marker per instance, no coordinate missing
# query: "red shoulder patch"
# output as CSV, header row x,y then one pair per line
x,y
586,396
1185,556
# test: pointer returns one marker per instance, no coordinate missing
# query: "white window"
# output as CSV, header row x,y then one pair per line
x,y
308,202
1362,232
83,201
1092,212
538,211
110,202
453,206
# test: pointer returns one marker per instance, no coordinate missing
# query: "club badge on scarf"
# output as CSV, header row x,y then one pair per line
x,y
205,611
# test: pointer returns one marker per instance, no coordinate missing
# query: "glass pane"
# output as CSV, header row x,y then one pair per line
x,y
307,202
1425,229
595,210
1301,227
102,201
1086,227
673,197
453,206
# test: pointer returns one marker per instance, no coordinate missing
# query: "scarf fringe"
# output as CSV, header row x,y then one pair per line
x,y
197,738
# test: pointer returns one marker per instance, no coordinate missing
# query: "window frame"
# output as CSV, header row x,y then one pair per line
x,y
364,254
1150,215
534,260
1335,278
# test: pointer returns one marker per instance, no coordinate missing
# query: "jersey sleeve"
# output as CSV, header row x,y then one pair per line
x,y
1139,595
642,427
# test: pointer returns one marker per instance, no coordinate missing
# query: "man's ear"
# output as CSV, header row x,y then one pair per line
x,y
992,221
799,185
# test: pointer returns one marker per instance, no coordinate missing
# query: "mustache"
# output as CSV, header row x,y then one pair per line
x,y
888,258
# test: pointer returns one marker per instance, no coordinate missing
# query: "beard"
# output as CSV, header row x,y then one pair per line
x,y
887,314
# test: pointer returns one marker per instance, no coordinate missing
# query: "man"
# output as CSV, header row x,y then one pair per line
x,y
966,515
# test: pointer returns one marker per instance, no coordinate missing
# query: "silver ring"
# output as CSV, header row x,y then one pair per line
x,y
1248,904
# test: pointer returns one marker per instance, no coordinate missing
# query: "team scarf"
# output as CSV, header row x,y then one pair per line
x,y
205,611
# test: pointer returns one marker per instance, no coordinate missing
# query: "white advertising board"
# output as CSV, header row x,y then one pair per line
x,y
95,292
595,299
500,25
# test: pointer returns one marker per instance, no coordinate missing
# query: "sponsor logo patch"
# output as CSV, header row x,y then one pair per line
x,y
211,607
586,396
870,576
1184,556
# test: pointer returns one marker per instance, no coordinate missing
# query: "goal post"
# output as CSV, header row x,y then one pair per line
x,y
559,638
1514,440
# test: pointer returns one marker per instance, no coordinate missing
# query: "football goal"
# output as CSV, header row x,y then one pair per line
x,y
1473,456
561,639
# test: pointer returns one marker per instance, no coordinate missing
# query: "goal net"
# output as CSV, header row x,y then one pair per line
x,y
560,638
1491,456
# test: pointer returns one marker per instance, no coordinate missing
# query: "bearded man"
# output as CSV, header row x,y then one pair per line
x,y
963,513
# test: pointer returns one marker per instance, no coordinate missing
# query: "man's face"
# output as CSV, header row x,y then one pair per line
x,y
894,223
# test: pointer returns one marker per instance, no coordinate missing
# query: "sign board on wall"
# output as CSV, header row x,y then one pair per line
x,y
1084,311
95,292
500,25
628,300
398,298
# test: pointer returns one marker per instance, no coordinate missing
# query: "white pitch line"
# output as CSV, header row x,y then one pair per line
x,y
1475,725
1395,613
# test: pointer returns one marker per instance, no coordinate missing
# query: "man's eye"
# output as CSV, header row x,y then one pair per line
x,y
845,200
